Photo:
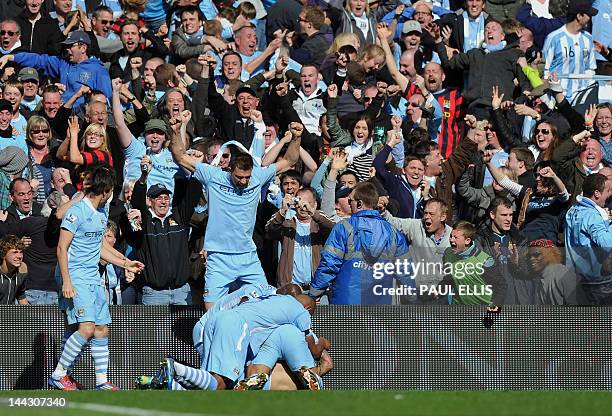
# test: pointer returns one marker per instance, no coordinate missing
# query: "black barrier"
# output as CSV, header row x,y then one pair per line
x,y
373,347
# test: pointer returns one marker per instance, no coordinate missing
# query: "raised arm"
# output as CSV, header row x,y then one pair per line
x,y
75,155
123,132
383,34
177,147
293,151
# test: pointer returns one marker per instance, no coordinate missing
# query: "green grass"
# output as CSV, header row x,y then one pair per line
x,y
336,403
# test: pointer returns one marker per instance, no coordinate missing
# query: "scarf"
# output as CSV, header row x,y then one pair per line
x,y
494,48
355,150
471,40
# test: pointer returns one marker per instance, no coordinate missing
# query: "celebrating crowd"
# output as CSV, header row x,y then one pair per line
x,y
370,152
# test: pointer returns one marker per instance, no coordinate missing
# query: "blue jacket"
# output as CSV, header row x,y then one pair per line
x,y
588,241
539,26
353,257
90,72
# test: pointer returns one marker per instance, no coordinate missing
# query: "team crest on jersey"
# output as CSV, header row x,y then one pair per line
x,y
71,218
80,312
254,294
236,371
84,77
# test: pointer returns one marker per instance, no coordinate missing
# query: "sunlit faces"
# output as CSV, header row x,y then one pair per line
x,y
240,178
130,37
97,113
8,35
5,119
591,154
433,219
190,22
155,140
102,23
232,66
475,7
543,136
413,108
175,103
34,6
289,185
245,103
494,33
309,77
22,196
51,102
358,7
414,171
14,96
502,218
434,76
246,41
458,241
603,121
361,132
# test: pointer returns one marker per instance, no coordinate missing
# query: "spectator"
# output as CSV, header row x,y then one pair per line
x,y
310,45
30,81
13,272
588,238
40,33
73,72
357,18
507,246
603,126
246,45
472,285
302,238
42,154
428,238
12,163
10,36
165,232
557,283
469,28
354,246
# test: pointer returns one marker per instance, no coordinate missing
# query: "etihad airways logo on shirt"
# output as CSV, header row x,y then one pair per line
x,y
236,191
94,234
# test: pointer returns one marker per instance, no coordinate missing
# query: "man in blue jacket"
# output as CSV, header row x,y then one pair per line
x,y
77,69
588,239
363,256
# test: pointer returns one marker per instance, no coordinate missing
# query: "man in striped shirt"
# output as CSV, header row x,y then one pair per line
x,y
569,50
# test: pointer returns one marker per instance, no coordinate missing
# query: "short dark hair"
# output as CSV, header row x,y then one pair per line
x,y
366,192
232,53
128,22
102,180
592,183
292,174
349,172
242,161
412,158
50,89
368,122
191,9
100,9
14,182
499,201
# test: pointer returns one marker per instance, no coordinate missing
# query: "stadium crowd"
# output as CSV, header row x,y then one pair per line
x,y
310,142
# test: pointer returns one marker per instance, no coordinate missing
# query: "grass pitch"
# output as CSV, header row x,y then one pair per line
x,y
336,403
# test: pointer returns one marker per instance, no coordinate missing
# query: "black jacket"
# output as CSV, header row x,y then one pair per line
x,y
311,50
12,287
231,125
520,287
41,255
163,247
44,36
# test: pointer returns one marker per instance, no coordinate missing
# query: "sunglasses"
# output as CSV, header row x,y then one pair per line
x,y
299,19
36,131
415,105
7,32
224,155
106,22
543,131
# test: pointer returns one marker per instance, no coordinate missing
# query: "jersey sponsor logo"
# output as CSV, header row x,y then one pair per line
x,y
94,234
71,218
164,167
232,190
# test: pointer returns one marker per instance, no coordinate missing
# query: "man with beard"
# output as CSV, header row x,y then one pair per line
x,y
499,238
130,34
233,198
76,70
310,47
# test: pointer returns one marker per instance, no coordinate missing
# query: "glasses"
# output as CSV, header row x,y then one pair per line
x,y
106,22
224,155
37,131
162,197
299,19
543,131
8,32
415,105
368,99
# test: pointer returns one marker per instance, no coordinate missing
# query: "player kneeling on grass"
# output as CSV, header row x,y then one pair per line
x,y
79,251
471,273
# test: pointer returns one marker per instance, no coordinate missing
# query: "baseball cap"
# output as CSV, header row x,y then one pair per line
x,y
411,26
158,189
342,191
156,124
77,36
246,89
6,105
581,6
28,74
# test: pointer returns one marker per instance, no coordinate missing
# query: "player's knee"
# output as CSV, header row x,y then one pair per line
x,y
101,331
221,385
87,330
